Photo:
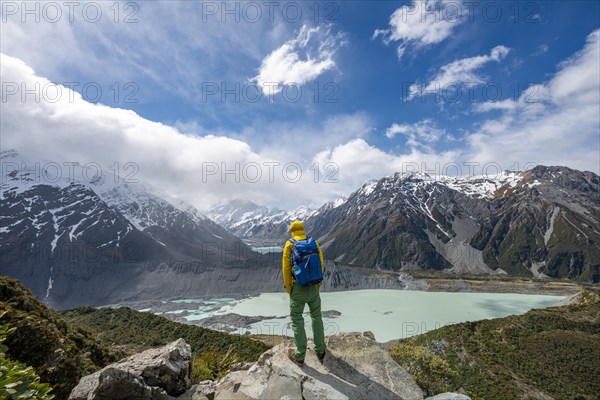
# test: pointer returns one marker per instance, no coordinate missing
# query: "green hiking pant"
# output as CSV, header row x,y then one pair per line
x,y
302,295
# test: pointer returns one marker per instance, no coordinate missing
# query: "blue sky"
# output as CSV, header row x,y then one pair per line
x,y
358,107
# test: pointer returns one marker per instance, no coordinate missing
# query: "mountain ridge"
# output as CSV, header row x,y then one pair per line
x,y
94,239
408,221
56,230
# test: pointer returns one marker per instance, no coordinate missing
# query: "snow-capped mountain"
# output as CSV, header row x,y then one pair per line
x,y
541,222
250,221
61,220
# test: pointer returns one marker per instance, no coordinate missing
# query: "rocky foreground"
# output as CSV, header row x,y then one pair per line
x,y
356,367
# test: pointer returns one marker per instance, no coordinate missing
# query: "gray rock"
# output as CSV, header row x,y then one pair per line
x,y
449,396
356,367
115,384
202,391
154,374
361,360
241,366
193,394
331,313
167,367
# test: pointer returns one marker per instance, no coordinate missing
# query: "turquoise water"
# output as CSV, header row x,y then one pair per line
x,y
389,314
268,249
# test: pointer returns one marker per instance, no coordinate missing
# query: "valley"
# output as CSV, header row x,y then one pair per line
x,y
97,241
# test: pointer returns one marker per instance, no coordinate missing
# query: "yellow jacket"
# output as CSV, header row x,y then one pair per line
x,y
286,261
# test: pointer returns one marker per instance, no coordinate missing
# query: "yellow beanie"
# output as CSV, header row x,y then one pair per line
x,y
296,226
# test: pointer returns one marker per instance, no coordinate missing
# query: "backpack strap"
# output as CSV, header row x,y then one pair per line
x,y
294,250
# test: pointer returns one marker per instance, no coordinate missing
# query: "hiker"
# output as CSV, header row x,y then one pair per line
x,y
302,270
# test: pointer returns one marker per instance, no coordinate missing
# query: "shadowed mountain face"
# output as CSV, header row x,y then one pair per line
x,y
58,232
408,221
541,222
546,225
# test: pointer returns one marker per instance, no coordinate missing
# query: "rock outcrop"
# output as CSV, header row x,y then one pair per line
x,y
356,367
155,374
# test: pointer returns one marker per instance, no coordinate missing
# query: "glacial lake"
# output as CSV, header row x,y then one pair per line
x,y
268,249
389,314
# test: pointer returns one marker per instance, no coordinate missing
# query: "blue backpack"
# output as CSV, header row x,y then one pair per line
x,y
306,263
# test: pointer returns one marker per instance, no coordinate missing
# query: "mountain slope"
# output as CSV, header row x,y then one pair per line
x,y
405,221
63,347
542,222
60,224
547,225
60,353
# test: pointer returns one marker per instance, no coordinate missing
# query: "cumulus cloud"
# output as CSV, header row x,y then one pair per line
x,y
460,73
286,65
204,169
421,23
358,161
551,123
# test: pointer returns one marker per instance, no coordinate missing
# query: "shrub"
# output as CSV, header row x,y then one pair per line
x,y
429,370
18,381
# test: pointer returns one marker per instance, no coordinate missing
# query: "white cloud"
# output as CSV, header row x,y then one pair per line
x,y
286,65
177,58
359,161
421,23
541,49
561,128
552,123
505,105
459,73
70,129
419,135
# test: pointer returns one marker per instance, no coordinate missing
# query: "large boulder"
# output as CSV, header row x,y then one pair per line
x,y
154,374
356,367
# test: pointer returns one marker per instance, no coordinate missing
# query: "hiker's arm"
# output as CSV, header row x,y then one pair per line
x,y
322,262
286,267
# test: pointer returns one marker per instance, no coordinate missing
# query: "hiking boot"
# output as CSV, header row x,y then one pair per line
x,y
321,357
292,357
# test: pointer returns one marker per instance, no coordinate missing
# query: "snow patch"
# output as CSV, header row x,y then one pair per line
x,y
368,187
50,282
550,229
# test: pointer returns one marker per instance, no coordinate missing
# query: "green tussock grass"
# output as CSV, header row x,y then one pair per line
x,y
36,336
553,351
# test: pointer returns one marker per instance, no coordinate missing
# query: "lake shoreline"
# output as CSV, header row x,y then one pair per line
x,y
388,313
491,285
422,282
405,312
